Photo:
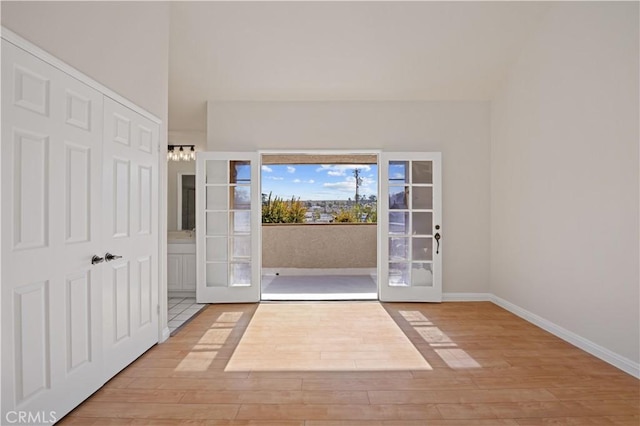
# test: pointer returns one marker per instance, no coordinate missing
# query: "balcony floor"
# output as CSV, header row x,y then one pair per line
x,y
319,287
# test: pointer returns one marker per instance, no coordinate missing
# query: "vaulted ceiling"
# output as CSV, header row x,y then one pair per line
x,y
314,51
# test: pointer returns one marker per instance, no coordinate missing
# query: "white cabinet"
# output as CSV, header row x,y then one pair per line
x,y
181,267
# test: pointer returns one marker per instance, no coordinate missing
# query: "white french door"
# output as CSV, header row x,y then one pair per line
x,y
228,220
51,227
130,235
410,223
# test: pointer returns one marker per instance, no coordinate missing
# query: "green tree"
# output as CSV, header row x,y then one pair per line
x,y
277,210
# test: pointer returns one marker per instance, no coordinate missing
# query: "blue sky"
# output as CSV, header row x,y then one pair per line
x,y
318,181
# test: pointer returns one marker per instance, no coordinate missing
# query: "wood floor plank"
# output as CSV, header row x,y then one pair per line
x,y
363,364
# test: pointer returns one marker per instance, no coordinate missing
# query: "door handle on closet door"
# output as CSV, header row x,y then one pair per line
x,y
109,257
96,259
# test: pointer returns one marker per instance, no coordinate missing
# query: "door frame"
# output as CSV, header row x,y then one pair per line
x,y
376,152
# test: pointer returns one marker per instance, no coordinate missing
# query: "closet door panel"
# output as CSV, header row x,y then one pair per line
x,y
51,218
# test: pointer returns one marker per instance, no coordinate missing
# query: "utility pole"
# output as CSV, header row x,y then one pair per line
x,y
356,174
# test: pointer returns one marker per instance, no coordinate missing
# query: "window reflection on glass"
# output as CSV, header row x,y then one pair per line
x,y
398,197
399,223
240,172
241,247
399,274
398,249
241,196
422,274
241,222
241,274
398,172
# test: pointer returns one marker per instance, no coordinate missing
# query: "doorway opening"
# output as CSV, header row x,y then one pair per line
x,y
319,226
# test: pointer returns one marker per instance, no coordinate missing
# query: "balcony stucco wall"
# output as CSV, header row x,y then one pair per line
x,y
341,245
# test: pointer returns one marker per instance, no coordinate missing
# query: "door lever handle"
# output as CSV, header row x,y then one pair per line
x,y
96,259
109,257
437,237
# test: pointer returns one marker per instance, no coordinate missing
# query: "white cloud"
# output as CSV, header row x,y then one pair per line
x,y
274,177
267,169
303,181
342,169
297,181
311,181
291,169
367,186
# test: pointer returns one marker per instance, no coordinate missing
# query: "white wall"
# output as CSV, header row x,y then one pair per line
x,y
564,181
460,130
123,45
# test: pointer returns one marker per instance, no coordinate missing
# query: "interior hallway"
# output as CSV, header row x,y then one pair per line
x,y
363,364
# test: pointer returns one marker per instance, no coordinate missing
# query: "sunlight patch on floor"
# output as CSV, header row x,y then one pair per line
x,y
359,336
442,344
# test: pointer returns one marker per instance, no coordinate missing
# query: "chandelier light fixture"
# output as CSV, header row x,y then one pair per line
x,y
181,153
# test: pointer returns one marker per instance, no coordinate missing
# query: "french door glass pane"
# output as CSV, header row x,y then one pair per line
x,y
422,171
216,197
399,223
398,172
240,274
241,247
216,223
241,222
398,249
422,197
217,275
217,171
422,223
398,197
399,274
240,172
241,196
422,248
422,274
217,249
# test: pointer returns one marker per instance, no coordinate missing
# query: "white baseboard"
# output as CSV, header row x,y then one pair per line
x,y
466,297
165,334
618,361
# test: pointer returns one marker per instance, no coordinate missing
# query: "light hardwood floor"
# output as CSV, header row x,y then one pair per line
x,y
363,364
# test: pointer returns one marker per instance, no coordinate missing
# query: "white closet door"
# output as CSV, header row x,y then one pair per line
x,y
228,220
51,225
130,233
410,219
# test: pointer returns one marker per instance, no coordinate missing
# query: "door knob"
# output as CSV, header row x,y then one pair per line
x,y
109,257
96,259
437,237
